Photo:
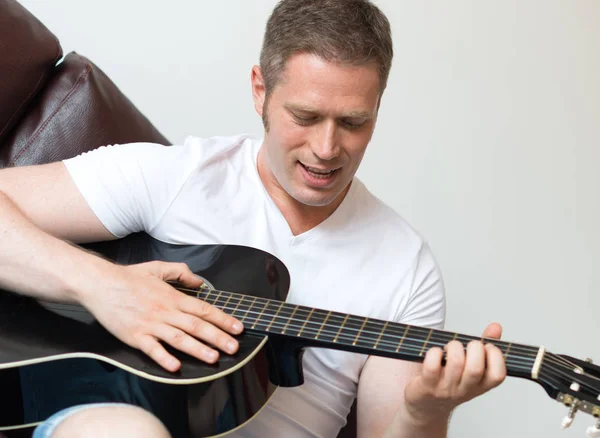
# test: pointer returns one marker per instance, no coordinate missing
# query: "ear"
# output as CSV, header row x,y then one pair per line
x,y
258,89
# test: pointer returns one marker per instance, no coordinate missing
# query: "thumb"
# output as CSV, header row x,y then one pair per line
x,y
494,330
179,272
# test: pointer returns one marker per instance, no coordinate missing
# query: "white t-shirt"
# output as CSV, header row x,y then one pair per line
x,y
364,259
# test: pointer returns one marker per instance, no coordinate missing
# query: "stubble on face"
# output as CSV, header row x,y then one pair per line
x,y
334,94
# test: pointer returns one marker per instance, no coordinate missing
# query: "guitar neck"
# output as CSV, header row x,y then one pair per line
x,y
311,327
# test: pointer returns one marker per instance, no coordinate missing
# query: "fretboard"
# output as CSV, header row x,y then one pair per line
x,y
322,328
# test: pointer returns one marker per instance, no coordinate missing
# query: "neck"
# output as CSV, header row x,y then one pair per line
x,y
321,328
299,217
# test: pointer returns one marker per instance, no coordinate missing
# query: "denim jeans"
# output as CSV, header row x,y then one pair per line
x,y
47,428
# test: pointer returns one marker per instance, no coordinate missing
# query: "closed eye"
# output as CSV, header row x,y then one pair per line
x,y
352,124
304,121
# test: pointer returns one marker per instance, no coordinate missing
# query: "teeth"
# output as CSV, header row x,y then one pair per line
x,y
320,172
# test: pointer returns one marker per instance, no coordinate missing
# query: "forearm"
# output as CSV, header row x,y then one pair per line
x,y
35,263
405,426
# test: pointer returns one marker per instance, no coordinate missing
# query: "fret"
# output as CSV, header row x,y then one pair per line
x,y
507,350
216,300
360,331
402,339
342,326
291,318
236,306
307,319
465,339
381,334
315,323
322,325
274,317
260,314
224,307
522,353
426,341
248,309
440,339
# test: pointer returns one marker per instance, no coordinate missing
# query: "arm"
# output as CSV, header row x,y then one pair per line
x,y
39,207
399,399
381,404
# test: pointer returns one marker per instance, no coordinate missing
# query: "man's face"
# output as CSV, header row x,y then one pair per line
x,y
320,118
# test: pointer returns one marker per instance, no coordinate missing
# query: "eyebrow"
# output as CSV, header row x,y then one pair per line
x,y
307,109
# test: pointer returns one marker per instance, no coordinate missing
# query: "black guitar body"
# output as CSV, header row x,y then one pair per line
x,y
54,356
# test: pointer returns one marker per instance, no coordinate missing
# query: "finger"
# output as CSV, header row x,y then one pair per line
x,y
455,363
179,272
152,348
204,331
212,314
493,330
474,370
496,367
432,367
186,343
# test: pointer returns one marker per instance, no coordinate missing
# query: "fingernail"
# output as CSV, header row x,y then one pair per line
x,y
212,355
231,345
237,326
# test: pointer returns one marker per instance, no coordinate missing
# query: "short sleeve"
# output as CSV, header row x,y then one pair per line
x,y
426,306
130,186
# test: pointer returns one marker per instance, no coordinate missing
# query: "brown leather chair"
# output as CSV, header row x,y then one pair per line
x,y
54,107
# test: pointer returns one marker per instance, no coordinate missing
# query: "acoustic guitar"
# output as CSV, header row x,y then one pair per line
x,y
56,355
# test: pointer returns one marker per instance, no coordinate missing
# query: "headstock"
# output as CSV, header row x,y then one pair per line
x,y
574,383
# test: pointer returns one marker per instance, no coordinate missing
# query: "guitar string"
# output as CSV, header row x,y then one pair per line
x,y
595,390
515,363
241,298
266,303
374,323
530,350
392,347
551,359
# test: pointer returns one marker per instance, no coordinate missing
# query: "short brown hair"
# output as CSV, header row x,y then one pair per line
x,y
352,32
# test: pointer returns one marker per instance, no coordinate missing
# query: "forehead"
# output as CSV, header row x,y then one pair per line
x,y
309,80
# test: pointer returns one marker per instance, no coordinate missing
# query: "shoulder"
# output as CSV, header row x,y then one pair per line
x,y
222,148
385,225
192,150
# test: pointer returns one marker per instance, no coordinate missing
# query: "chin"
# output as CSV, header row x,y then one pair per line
x,y
315,199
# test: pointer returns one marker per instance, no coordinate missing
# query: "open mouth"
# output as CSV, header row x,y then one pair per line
x,y
319,173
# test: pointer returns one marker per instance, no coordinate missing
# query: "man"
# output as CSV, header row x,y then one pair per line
x,y
323,69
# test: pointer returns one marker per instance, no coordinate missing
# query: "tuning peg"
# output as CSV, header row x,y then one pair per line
x,y
568,420
593,431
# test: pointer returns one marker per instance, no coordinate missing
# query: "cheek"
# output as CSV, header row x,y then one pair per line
x,y
356,145
289,130
287,138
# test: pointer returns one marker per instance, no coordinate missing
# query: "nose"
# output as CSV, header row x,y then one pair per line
x,y
325,144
